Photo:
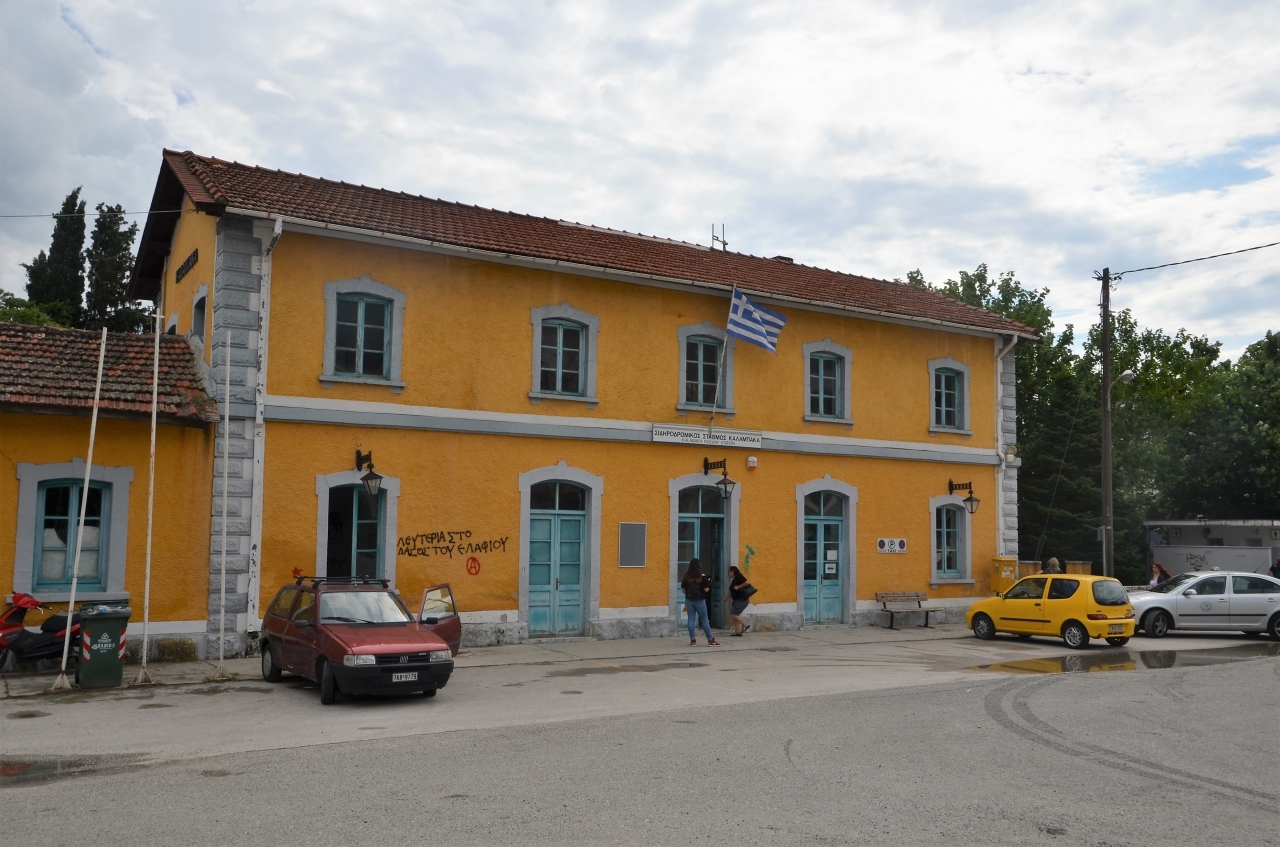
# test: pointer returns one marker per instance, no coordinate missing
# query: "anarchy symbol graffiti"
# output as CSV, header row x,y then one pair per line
x,y
473,565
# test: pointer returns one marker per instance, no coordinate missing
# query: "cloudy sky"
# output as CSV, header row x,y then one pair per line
x,y
1047,139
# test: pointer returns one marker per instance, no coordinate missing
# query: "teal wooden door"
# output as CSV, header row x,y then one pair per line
x,y
556,559
824,557
701,534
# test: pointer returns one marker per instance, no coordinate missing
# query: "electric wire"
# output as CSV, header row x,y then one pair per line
x,y
96,214
1201,259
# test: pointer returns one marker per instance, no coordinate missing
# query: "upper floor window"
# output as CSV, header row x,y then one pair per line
x,y
564,354
827,382
57,528
199,312
950,401
364,329
703,379
360,346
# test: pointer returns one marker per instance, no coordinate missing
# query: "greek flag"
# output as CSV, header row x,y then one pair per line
x,y
754,323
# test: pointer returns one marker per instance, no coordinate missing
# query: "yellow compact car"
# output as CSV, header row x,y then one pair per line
x,y
1074,607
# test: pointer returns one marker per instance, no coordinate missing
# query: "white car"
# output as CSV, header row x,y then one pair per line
x,y
1209,600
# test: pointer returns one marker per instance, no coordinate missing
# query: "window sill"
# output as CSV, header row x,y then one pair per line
x,y
947,430
539,396
935,583
327,380
847,423
63,596
685,408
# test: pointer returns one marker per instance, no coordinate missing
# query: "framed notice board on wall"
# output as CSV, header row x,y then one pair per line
x,y
632,538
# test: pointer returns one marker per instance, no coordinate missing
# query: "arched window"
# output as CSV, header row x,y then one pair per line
x,y
949,550
824,557
198,318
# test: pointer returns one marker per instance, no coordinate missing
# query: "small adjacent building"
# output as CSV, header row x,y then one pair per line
x,y
1202,543
47,378
539,398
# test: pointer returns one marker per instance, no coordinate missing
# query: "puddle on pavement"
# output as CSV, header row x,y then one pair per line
x,y
1134,660
594,670
18,771
26,713
219,689
570,692
156,706
775,649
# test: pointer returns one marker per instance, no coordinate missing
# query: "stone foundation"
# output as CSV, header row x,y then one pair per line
x,y
493,634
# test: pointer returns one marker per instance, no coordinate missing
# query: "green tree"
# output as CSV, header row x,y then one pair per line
x,y
55,281
13,309
110,260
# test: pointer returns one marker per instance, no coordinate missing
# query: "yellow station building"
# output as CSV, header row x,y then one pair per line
x,y
538,398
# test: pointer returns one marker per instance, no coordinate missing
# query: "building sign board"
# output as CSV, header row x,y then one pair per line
x,y
891,545
709,436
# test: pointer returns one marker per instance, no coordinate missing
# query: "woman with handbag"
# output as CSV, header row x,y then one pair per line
x,y
740,591
696,587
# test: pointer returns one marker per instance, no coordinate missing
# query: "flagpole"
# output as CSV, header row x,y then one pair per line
x,y
724,348
144,676
61,683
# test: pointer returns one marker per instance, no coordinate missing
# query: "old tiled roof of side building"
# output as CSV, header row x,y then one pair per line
x,y
215,185
48,369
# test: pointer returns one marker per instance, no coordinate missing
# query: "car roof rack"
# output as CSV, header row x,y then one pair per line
x,y
343,580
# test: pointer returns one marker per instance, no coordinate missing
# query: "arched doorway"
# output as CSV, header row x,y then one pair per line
x,y
700,533
557,538
824,557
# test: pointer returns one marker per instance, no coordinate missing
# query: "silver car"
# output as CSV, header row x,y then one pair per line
x,y
1209,600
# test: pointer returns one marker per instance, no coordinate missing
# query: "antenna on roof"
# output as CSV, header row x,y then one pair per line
x,y
724,245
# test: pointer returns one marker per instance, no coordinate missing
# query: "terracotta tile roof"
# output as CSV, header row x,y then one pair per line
x,y
213,184
47,369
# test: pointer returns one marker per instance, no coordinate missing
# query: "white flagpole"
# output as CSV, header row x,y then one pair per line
x,y
221,673
724,349
61,682
144,676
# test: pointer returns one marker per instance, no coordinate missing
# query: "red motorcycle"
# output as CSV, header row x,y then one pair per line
x,y
31,645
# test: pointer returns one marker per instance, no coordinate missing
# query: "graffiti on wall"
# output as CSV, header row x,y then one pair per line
x,y
450,543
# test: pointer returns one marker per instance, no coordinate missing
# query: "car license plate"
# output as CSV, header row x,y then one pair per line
x,y
1117,627
405,677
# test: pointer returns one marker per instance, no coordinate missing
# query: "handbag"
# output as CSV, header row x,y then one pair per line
x,y
748,591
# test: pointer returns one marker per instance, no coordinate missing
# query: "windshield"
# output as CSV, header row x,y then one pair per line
x,y
1110,593
1173,583
362,607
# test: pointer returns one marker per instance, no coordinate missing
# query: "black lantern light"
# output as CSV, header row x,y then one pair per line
x,y
725,484
371,481
970,502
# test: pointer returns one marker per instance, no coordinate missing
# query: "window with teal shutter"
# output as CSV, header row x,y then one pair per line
x,y
363,331
563,356
56,532
825,386
703,376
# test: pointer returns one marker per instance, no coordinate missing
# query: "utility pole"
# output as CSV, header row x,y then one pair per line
x,y
1108,533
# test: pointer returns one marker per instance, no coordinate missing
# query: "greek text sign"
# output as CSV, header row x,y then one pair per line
x,y
673,434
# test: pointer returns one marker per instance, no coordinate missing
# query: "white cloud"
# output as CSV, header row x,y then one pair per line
x,y
868,137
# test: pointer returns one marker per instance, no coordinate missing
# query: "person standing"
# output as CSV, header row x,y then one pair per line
x,y
1159,574
1275,569
1052,566
697,587
740,591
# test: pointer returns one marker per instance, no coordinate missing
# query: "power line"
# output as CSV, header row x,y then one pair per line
x,y
96,214
1189,261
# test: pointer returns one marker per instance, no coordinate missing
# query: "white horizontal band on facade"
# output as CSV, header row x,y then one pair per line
x,y
161,628
491,616
630,612
932,602
772,608
279,408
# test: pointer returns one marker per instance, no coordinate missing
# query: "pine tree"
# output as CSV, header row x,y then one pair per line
x,y
110,259
55,281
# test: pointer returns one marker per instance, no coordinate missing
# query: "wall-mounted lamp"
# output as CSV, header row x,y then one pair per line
x,y
371,481
970,502
725,484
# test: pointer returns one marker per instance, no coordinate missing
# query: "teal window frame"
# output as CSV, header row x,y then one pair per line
x,y
697,365
552,374
826,390
948,529
359,347
72,518
358,497
948,398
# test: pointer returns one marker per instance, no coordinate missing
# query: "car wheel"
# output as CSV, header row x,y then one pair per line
x,y
1273,628
270,670
328,685
1118,641
429,692
1157,624
984,627
1075,636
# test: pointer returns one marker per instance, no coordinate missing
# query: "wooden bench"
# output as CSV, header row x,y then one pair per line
x,y
901,602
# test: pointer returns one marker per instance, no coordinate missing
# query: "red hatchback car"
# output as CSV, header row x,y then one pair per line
x,y
356,636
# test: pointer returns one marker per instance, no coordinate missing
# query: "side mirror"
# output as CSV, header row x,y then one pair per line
x,y
302,624
1190,592
431,621
1000,594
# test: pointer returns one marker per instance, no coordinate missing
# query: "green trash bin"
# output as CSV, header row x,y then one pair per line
x,y
102,641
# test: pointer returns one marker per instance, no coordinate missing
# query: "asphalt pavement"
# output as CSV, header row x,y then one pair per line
x,y
827,736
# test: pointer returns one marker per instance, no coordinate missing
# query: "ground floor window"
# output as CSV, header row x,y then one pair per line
x,y
57,529
355,532
948,522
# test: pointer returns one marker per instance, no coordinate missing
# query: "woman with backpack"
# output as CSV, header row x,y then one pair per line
x,y
697,586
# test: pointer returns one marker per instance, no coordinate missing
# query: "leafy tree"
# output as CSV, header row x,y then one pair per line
x,y
14,309
55,281
110,260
